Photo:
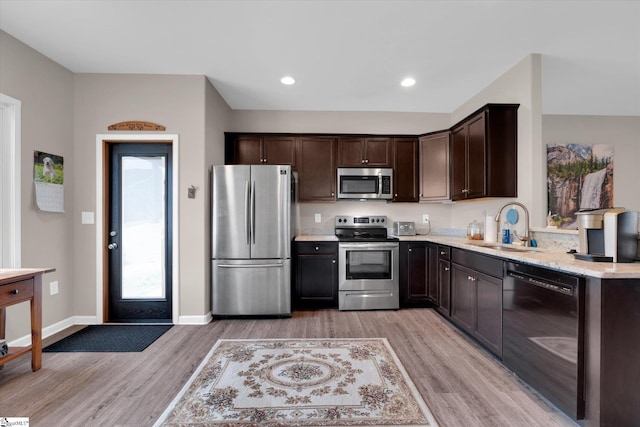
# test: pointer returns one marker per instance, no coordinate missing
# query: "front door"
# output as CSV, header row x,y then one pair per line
x,y
139,232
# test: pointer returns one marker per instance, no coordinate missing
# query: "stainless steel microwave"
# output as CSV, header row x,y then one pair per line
x,y
365,183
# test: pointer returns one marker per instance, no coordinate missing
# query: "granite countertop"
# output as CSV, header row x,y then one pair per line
x,y
556,260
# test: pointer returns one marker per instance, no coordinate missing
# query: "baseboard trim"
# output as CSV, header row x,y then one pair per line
x,y
195,320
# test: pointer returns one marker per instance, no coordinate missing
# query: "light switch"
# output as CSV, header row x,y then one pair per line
x,y
88,218
318,218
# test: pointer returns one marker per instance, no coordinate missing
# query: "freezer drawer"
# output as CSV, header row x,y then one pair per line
x,y
251,287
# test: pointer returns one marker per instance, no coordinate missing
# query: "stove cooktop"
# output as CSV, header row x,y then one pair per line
x,y
362,229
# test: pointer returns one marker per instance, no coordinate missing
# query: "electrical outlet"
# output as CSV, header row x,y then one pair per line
x,y
425,218
317,218
53,287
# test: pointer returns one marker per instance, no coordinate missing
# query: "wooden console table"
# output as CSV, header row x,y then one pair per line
x,y
16,286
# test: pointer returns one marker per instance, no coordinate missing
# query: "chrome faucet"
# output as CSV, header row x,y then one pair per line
x,y
526,238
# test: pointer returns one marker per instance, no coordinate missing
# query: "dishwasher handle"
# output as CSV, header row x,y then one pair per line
x,y
561,289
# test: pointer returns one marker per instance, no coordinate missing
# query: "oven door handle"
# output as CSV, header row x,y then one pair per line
x,y
368,245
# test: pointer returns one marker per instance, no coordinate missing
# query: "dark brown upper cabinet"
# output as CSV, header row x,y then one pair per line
x,y
405,167
261,150
434,166
316,168
484,153
365,151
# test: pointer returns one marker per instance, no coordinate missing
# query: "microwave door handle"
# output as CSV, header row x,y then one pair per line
x,y
380,185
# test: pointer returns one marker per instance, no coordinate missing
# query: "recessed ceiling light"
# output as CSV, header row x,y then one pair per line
x,y
287,80
408,82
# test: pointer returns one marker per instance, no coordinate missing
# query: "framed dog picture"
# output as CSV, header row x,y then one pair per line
x,y
48,177
48,168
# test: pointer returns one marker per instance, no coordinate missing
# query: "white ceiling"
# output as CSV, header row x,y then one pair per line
x,y
350,55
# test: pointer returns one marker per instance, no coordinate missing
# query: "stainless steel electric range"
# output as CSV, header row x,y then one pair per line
x,y
367,264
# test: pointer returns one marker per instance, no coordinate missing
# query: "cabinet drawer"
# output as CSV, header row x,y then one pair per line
x,y
16,292
481,263
322,248
444,252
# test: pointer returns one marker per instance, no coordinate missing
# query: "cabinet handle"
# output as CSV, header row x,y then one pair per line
x,y
333,194
14,292
333,261
317,248
395,195
419,195
362,161
464,190
366,161
446,269
442,252
410,250
471,278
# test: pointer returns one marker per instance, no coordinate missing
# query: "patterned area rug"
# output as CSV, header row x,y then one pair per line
x,y
299,382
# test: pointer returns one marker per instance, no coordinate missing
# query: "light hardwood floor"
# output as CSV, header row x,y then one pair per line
x,y
462,384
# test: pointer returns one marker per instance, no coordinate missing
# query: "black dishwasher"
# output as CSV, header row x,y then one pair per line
x,y
543,316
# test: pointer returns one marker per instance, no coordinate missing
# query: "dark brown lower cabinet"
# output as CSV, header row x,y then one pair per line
x,y
476,297
418,274
444,280
315,275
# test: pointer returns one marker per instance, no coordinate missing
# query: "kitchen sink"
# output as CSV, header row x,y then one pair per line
x,y
506,248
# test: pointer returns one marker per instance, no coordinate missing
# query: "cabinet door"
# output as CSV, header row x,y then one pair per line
x,y
432,273
434,167
489,312
248,150
458,163
351,152
444,284
378,152
316,275
463,297
314,280
405,167
316,169
279,150
417,286
476,161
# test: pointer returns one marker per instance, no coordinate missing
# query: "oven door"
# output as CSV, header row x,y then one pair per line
x,y
368,266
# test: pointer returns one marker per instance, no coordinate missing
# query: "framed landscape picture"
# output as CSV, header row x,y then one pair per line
x,y
579,177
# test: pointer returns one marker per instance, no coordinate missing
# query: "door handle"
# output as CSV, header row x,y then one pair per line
x,y
112,246
250,265
247,224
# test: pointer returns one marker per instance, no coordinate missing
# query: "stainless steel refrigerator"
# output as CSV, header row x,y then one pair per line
x,y
252,228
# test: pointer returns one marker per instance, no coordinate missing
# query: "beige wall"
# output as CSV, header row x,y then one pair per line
x,y
217,121
46,92
178,103
520,85
621,132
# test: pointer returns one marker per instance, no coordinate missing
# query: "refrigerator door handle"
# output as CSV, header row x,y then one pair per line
x,y
278,265
253,213
247,224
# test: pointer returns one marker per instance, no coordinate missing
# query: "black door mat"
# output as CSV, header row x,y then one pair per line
x,y
109,338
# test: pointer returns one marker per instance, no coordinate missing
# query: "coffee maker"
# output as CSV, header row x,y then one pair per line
x,y
609,235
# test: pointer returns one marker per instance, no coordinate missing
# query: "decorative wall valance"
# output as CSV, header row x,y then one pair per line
x,y
136,125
